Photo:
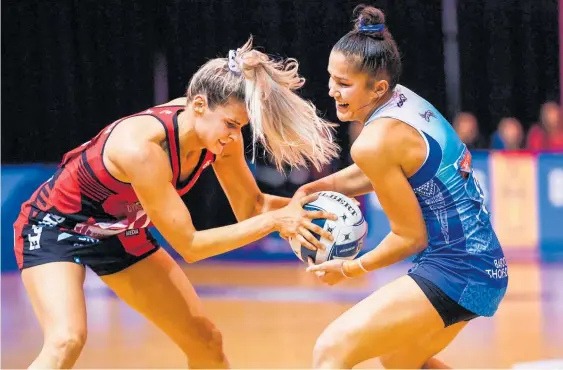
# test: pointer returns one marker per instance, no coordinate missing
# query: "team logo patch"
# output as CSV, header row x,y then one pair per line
x,y
427,115
132,232
402,100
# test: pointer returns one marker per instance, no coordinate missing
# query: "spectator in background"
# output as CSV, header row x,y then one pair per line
x,y
466,126
548,134
509,135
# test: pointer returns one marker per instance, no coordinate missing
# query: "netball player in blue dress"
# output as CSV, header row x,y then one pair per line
x,y
421,172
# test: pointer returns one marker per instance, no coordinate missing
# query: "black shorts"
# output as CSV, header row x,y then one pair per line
x,y
450,311
37,245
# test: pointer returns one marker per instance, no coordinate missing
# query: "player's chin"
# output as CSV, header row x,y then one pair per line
x,y
216,148
343,116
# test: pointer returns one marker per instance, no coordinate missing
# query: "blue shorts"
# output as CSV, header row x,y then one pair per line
x,y
449,310
476,283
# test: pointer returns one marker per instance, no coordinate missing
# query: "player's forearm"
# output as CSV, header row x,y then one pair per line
x,y
392,249
273,202
245,208
350,181
212,242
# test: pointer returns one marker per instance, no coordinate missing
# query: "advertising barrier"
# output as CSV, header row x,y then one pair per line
x,y
523,191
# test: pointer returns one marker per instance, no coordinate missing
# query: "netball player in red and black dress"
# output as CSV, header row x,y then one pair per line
x,y
96,209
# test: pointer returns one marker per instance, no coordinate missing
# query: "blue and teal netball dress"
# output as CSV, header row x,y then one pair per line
x,y
463,257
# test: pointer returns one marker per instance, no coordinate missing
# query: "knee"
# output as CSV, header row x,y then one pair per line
x,y
66,344
404,360
214,342
392,362
211,336
209,341
328,353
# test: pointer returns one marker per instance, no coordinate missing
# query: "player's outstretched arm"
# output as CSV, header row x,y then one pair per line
x,y
146,167
379,152
244,195
350,181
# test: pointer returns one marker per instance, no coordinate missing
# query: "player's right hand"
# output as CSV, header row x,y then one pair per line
x,y
329,272
295,222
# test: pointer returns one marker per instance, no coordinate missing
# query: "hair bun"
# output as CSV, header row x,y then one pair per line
x,y
365,15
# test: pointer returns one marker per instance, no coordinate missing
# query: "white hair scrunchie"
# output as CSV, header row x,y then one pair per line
x,y
233,65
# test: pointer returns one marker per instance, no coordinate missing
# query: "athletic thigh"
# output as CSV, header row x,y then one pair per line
x,y
414,355
396,314
57,295
157,288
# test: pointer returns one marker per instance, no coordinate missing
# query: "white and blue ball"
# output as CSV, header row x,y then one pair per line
x,y
348,231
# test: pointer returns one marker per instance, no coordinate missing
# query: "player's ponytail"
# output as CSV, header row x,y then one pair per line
x,y
284,123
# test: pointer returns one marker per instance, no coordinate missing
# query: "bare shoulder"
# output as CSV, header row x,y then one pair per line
x,y
391,141
381,137
134,131
135,142
177,101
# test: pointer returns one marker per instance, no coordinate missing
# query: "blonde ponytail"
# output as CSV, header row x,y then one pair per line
x,y
285,124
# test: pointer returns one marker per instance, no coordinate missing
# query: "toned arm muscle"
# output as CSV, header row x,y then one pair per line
x,y
350,181
150,176
135,156
244,195
378,152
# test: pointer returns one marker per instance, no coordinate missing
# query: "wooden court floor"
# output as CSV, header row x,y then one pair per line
x,y
270,315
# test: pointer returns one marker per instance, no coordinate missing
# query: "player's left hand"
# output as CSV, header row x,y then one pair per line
x,y
329,272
